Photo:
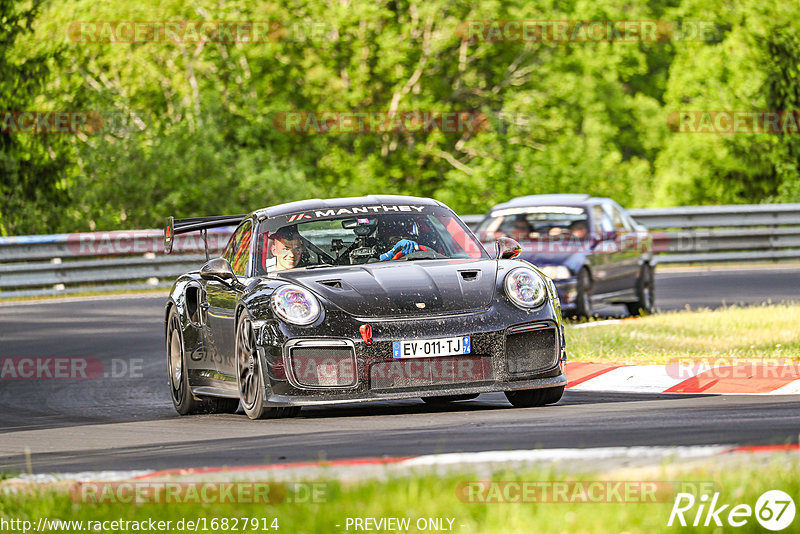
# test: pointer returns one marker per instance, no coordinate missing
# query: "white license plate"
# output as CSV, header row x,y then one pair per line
x,y
430,348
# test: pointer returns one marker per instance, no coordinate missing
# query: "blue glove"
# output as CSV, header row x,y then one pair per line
x,y
406,245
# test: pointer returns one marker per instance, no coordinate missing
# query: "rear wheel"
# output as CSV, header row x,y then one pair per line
x,y
529,398
251,387
183,400
645,292
583,299
447,399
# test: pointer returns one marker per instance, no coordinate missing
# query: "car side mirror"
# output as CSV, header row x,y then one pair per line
x,y
217,269
507,249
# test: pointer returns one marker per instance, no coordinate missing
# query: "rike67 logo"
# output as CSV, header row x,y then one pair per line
x,y
774,510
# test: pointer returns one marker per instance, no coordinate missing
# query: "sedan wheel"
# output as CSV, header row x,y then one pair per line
x,y
645,293
583,300
251,389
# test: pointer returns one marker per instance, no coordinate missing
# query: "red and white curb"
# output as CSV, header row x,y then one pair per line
x,y
739,378
376,467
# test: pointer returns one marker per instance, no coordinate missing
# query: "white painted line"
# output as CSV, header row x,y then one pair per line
x,y
448,460
632,379
554,455
792,388
85,476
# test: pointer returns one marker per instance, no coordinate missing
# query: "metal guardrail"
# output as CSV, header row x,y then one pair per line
x,y
710,234
69,263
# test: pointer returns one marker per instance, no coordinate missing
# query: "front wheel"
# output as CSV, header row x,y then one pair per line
x,y
645,293
583,299
529,398
249,379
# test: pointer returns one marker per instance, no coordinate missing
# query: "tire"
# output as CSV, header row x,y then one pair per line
x,y
529,398
583,300
248,376
181,393
645,293
447,399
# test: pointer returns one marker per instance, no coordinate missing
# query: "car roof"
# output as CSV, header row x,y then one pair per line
x,y
345,202
549,200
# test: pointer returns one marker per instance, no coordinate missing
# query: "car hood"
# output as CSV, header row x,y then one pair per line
x,y
402,288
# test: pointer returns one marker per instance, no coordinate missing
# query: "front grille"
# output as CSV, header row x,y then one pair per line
x,y
323,366
423,372
531,351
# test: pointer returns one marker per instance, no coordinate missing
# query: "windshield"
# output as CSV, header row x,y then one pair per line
x,y
539,223
429,233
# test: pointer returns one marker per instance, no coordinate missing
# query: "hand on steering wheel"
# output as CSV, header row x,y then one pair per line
x,y
402,248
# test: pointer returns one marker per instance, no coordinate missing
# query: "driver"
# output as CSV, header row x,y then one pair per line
x,y
404,231
579,228
286,248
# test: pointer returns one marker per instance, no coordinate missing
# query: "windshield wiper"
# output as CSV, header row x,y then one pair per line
x,y
319,266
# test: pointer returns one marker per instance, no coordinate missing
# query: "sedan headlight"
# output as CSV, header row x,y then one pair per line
x,y
556,272
295,305
525,288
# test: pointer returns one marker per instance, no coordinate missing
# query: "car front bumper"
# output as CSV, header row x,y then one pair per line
x,y
511,349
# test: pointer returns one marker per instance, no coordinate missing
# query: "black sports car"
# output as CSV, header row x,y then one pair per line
x,y
358,299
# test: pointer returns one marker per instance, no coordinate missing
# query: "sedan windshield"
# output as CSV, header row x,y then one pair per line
x,y
436,233
539,223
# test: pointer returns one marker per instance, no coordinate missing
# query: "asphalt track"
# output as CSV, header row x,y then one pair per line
x,y
128,422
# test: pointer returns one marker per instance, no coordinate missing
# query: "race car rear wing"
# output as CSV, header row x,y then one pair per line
x,y
195,224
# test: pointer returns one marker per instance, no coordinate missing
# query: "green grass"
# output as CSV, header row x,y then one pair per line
x,y
430,496
767,331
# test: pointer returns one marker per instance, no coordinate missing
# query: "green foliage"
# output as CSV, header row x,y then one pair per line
x,y
193,128
32,168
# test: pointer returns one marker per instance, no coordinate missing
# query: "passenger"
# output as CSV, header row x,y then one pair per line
x,y
521,231
579,229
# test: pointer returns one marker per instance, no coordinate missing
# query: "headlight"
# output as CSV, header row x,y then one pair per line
x,y
556,272
295,305
525,288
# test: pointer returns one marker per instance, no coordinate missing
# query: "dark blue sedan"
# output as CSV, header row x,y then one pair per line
x,y
593,250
